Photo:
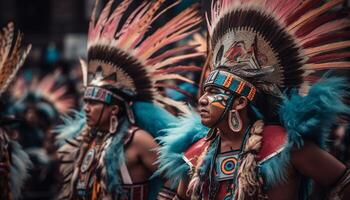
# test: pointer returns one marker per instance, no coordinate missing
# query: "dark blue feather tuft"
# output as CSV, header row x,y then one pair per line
x,y
312,116
152,118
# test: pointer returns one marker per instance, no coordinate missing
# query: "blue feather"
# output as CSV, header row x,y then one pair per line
x,y
152,118
115,157
313,116
177,140
308,117
209,160
274,169
20,164
71,127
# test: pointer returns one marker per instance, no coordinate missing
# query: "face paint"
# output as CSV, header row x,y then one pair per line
x,y
217,97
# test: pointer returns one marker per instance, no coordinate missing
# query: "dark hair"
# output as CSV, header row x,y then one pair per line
x,y
267,105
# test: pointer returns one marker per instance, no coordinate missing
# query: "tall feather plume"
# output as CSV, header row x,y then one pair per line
x,y
313,35
11,56
135,52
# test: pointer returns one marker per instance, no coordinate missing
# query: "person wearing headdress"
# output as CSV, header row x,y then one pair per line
x,y
262,130
14,162
38,103
111,153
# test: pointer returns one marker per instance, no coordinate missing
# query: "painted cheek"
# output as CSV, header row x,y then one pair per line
x,y
218,101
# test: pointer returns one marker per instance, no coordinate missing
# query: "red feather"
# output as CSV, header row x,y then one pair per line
x,y
329,57
315,23
304,7
327,38
177,69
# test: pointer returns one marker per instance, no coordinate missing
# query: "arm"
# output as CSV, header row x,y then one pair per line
x,y
146,149
319,165
148,155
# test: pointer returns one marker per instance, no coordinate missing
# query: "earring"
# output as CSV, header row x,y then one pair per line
x,y
235,121
113,124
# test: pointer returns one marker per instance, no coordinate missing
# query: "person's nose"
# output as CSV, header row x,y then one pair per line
x,y
86,107
203,100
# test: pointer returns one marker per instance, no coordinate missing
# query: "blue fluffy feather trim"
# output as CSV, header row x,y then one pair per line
x,y
152,117
310,118
177,140
72,126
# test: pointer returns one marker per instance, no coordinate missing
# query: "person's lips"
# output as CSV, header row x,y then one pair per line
x,y
203,113
88,118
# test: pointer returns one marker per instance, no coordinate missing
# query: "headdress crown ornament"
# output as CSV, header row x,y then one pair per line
x,y
122,58
277,44
12,56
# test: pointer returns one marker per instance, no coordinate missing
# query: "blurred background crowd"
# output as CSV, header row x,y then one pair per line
x,y
49,84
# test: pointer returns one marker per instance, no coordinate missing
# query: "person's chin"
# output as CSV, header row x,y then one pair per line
x,y
89,123
206,121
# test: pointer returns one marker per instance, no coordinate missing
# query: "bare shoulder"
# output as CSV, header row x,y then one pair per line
x,y
308,151
142,135
312,161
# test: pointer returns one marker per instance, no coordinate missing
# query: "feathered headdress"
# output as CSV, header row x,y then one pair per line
x,y
276,44
45,93
11,56
124,60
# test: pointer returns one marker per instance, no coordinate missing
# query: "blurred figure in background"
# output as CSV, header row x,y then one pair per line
x,y
14,162
39,103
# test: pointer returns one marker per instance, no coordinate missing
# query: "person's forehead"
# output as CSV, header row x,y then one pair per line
x,y
213,87
95,102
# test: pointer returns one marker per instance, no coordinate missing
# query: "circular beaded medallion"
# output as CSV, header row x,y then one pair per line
x,y
88,159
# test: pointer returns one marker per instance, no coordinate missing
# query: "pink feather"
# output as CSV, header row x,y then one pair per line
x,y
313,14
177,69
327,66
136,30
318,23
112,24
175,29
326,48
288,9
169,53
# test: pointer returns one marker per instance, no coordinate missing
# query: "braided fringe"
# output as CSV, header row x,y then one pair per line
x,y
249,184
195,185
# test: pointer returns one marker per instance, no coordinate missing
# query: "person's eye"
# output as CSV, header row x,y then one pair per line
x,y
208,90
89,101
214,91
